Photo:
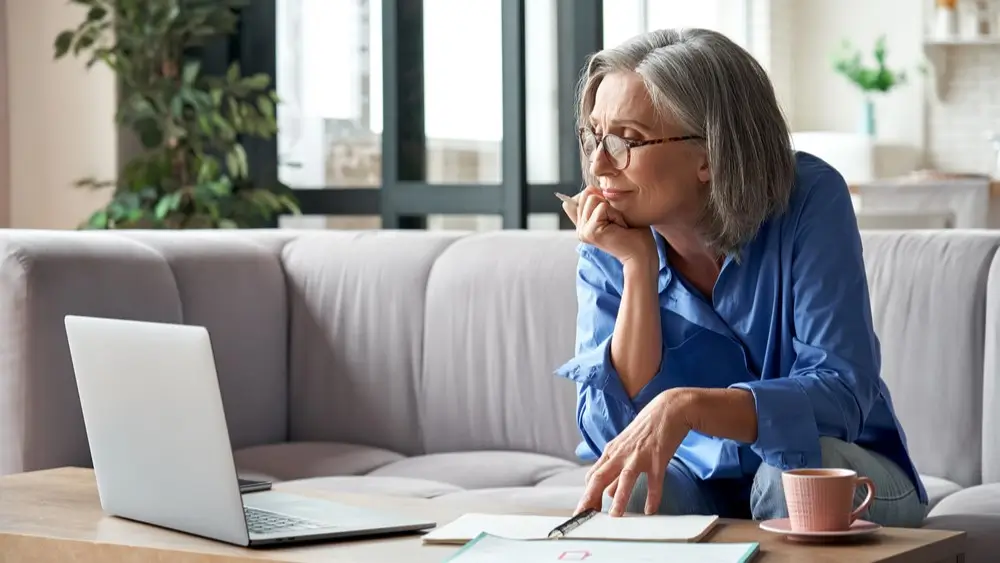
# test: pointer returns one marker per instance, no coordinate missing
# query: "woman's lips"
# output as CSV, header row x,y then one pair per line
x,y
613,195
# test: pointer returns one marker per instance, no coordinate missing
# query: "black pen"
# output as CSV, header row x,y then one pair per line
x,y
573,523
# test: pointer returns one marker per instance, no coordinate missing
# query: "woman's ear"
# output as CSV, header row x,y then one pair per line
x,y
704,170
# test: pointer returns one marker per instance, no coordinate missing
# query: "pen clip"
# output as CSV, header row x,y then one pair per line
x,y
573,523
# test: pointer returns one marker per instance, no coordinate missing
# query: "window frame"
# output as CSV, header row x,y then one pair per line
x,y
404,198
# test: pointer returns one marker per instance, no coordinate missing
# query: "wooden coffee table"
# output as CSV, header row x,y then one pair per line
x,y
55,515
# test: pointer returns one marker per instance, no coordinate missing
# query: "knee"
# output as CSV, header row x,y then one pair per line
x,y
767,494
767,497
835,454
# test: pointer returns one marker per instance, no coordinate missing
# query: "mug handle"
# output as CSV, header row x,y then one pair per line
x,y
868,498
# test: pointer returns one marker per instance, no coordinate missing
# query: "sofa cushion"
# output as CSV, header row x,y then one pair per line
x,y
975,511
525,498
938,488
478,470
981,499
235,288
356,332
501,317
300,460
928,290
367,484
576,477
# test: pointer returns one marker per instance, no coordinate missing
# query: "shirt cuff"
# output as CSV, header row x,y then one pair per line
x,y
593,368
787,435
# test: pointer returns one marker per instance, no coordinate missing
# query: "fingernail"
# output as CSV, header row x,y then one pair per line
x,y
563,196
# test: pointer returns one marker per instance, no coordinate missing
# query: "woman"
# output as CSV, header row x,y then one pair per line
x,y
724,328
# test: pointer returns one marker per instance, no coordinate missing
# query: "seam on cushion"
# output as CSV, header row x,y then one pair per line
x,y
418,386
284,254
170,268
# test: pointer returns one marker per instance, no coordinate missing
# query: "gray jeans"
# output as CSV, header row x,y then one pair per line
x,y
896,501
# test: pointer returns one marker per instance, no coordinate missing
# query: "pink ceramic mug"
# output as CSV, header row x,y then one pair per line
x,y
822,500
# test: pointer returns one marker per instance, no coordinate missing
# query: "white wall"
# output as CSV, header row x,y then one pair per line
x,y
823,100
4,124
61,120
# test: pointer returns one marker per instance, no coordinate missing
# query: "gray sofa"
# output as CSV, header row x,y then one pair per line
x,y
420,363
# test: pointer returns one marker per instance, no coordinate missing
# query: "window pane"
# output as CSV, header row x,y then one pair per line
x,y
464,222
726,16
463,90
626,18
346,222
328,65
542,94
536,222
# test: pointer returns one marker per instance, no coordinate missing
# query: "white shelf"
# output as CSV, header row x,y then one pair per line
x,y
960,41
938,53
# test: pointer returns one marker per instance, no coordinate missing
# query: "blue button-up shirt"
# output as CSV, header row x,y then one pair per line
x,y
790,321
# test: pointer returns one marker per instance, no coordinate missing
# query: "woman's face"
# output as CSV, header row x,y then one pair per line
x,y
663,183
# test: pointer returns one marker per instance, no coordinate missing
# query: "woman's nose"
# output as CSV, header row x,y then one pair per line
x,y
600,163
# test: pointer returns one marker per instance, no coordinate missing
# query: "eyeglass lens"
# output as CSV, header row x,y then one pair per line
x,y
614,147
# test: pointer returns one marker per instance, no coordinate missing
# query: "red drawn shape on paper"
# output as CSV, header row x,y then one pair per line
x,y
576,555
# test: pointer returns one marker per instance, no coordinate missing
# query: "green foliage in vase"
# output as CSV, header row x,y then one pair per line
x,y
193,169
870,79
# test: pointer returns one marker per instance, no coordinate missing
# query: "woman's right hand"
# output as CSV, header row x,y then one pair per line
x,y
600,225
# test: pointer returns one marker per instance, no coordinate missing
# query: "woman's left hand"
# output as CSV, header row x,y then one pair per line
x,y
645,446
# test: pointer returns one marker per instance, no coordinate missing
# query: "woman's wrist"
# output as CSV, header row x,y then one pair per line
x,y
722,413
645,264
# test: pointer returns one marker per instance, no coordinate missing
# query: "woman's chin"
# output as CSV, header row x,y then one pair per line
x,y
633,221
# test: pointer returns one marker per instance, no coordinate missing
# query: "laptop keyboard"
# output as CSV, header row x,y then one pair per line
x,y
266,522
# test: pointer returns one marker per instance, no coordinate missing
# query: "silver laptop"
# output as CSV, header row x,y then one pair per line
x,y
160,446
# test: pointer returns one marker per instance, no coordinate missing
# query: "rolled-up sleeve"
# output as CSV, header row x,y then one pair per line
x,y
604,408
834,379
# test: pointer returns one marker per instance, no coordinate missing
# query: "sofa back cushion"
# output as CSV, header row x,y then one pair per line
x,y
356,307
991,378
232,284
928,291
501,314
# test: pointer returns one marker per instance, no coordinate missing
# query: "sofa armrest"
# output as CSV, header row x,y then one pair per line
x,y
43,277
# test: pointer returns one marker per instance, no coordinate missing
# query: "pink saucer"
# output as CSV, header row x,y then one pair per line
x,y
784,526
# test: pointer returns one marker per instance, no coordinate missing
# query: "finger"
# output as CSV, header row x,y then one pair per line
x,y
572,210
589,501
596,485
626,482
598,219
654,488
606,456
588,193
590,202
616,217
612,488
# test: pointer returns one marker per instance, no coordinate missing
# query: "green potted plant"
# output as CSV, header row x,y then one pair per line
x,y
192,171
871,80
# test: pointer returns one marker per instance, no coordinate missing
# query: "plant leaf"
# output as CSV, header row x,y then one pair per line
x,y
62,43
191,71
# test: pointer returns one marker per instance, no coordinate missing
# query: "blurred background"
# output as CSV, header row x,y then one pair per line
x,y
457,114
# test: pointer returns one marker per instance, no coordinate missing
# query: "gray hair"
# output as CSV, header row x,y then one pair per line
x,y
716,90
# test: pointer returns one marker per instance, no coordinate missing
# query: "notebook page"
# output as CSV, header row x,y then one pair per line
x,y
512,526
640,527
491,549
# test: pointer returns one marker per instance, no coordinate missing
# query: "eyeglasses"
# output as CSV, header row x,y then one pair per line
x,y
617,149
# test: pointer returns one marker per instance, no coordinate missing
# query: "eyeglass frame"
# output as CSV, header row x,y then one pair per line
x,y
629,144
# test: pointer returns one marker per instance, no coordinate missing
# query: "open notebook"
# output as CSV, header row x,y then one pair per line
x,y
600,527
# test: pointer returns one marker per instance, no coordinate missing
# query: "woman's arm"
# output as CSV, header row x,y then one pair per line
x,y
834,379
604,404
637,343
